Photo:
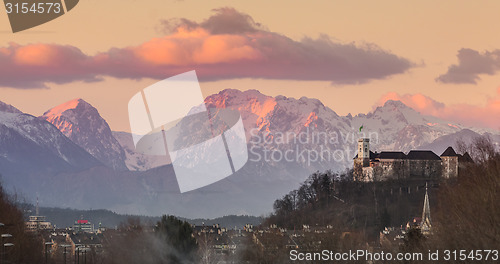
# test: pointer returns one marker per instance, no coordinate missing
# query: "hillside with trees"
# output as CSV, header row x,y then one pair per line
x,y
367,207
27,247
169,241
465,211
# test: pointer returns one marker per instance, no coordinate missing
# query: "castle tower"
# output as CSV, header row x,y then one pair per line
x,y
449,161
425,225
364,151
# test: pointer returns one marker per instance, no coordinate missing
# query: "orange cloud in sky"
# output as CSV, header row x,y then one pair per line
x,y
466,114
226,48
197,46
36,55
227,45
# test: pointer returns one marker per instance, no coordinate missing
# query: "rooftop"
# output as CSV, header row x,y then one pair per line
x,y
422,155
449,152
392,155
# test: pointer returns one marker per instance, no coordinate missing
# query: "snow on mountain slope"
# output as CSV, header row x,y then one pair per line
x,y
134,160
399,127
253,106
288,114
8,108
24,136
274,125
393,126
440,144
81,123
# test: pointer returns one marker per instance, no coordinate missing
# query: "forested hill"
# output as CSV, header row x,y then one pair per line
x,y
464,210
332,199
65,217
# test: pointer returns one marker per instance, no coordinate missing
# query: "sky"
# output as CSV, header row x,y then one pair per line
x,y
440,57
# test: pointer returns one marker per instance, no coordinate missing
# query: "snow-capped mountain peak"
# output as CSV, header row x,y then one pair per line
x,y
400,127
60,109
82,123
395,104
254,106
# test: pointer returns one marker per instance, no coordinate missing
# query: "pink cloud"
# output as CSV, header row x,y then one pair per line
x,y
34,65
195,47
227,45
466,114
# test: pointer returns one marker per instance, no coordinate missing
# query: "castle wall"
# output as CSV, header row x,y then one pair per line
x,y
362,170
358,170
392,169
398,169
425,169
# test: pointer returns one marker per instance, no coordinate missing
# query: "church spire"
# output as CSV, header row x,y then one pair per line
x,y
425,225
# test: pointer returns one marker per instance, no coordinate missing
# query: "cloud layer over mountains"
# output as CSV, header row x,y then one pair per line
x,y
227,45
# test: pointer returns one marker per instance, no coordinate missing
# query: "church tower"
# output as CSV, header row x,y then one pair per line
x,y
364,151
425,225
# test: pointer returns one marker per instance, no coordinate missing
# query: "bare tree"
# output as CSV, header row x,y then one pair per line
x,y
206,249
468,215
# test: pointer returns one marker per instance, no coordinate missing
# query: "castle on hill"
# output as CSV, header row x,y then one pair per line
x,y
416,165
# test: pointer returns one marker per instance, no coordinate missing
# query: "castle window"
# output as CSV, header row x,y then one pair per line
x,y
366,150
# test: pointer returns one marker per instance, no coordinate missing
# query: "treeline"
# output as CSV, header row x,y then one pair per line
x,y
468,212
334,199
467,217
169,241
25,247
66,217
228,221
465,211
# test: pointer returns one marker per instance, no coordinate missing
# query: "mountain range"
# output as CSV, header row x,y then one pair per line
x,y
70,157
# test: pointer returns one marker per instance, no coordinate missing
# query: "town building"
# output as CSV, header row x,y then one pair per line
x,y
83,226
37,222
